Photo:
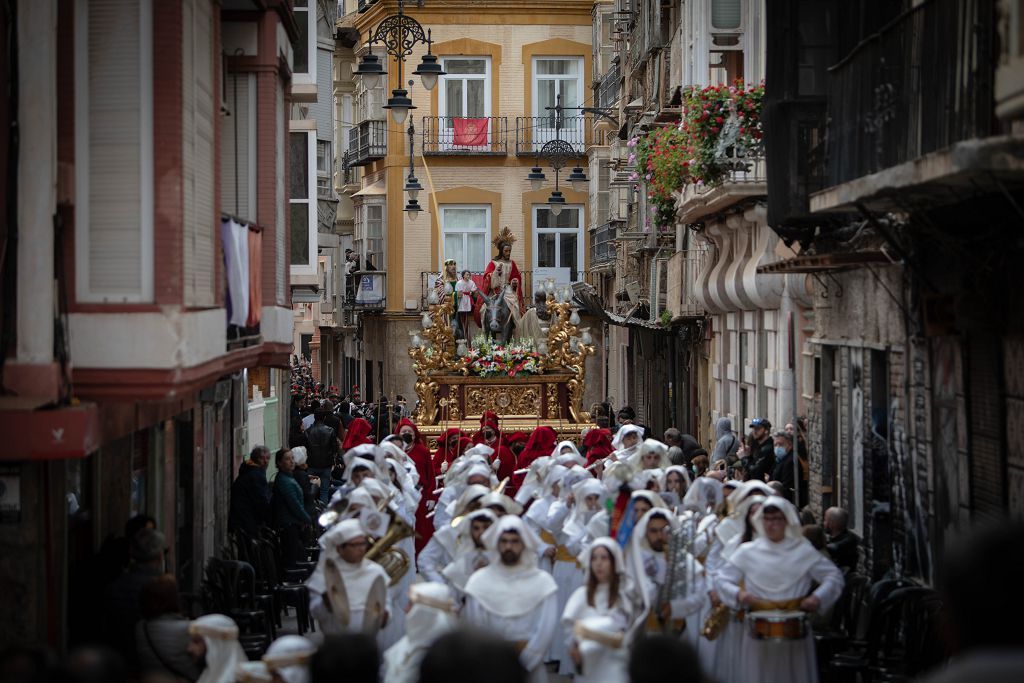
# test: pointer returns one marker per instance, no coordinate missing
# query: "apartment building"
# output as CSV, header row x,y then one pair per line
x,y
893,139
145,289
506,68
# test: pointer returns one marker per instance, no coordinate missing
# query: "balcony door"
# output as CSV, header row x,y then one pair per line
x,y
555,77
464,103
557,244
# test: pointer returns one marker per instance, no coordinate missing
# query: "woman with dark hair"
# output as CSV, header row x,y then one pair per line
x,y
161,636
289,512
606,592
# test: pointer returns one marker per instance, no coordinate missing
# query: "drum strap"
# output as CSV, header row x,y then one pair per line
x,y
760,604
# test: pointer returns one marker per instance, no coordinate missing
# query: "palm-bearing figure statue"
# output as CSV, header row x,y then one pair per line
x,y
502,280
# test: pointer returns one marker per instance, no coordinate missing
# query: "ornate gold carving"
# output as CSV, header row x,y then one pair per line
x,y
554,406
436,355
504,400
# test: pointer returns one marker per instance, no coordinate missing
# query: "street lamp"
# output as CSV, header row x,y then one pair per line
x,y
557,153
399,34
412,183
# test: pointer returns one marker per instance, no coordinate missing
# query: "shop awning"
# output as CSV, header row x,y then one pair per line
x,y
34,430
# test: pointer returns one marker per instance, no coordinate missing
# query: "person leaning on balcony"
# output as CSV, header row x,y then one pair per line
x,y
322,452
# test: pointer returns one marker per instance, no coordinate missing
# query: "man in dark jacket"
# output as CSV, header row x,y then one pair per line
x,y
250,494
762,460
322,452
783,471
842,544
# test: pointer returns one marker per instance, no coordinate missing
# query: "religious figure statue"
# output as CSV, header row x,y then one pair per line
x,y
445,286
502,277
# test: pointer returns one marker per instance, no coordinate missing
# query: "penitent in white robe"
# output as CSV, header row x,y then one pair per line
x,y
537,628
358,580
758,566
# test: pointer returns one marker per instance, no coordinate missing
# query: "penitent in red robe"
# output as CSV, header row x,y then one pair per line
x,y
420,455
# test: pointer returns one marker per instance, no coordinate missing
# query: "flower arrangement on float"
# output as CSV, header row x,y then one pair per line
x,y
519,357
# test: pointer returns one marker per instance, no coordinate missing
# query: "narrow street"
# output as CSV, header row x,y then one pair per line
x,y
601,341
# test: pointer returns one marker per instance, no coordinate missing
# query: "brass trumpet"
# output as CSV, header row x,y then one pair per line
x,y
395,561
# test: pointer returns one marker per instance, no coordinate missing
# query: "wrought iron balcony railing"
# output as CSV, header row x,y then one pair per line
x,y
602,249
922,83
533,132
447,135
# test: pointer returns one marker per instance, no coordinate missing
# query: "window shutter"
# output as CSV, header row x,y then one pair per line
x,y
201,219
238,145
113,129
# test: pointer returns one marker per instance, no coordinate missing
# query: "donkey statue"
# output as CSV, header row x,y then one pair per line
x,y
498,323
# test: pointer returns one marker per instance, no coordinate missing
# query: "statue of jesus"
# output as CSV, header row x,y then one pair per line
x,y
502,271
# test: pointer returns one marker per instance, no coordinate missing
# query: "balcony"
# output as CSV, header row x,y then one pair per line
x,y
684,268
921,84
449,136
608,90
367,142
367,291
602,247
747,179
533,132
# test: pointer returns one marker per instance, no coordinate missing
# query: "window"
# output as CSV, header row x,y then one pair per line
x,y
726,14
555,77
302,201
465,87
558,244
323,168
465,230
113,152
369,235
370,101
304,47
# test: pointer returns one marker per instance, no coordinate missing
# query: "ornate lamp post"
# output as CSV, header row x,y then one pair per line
x,y
399,34
557,153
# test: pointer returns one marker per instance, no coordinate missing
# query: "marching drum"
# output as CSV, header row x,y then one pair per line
x,y
777,625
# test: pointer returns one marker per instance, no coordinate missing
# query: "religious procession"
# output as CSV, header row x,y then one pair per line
x,y
522,341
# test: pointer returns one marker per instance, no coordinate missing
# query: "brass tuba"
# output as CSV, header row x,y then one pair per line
x,y
395,561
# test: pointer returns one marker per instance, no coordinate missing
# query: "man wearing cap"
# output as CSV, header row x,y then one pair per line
x,y
512,597
762,459
341,606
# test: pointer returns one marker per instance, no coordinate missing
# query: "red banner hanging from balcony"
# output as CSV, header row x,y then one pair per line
x,y
470,132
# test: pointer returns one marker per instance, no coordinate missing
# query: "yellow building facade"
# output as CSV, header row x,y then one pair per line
x,y
476,137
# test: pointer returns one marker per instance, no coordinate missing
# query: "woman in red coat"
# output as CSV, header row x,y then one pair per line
x,y
416,448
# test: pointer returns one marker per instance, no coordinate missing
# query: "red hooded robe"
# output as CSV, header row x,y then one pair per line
x,y
598,443
443,454
542,442
358,434
506,458
420,455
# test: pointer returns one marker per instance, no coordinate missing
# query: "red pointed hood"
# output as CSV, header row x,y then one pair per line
x,y
598,443
358,433
541,443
